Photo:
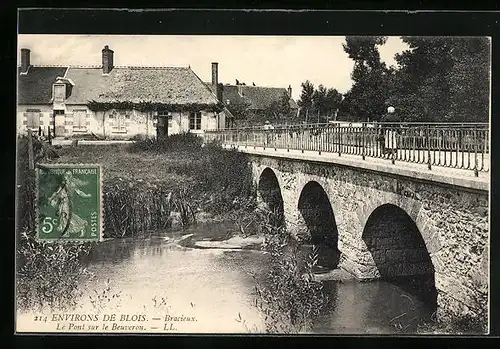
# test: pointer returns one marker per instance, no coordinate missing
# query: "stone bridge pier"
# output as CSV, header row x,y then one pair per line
x,y
384,225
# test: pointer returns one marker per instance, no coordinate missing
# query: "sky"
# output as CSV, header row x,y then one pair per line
x,y
274,61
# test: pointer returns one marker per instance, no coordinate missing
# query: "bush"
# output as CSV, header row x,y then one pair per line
x,y
289,298
245,216
48,274
219,176
226,175
181,141
184,204
464,325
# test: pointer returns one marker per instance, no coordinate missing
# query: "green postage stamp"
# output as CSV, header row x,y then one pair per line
x,y
69,202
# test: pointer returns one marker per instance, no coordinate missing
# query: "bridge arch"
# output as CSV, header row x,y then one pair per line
x,y
269,193
399,251
318,225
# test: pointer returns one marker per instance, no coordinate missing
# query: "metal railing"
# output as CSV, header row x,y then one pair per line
x,y
453,145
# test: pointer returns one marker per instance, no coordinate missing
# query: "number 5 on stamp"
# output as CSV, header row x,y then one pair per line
x,y
69,202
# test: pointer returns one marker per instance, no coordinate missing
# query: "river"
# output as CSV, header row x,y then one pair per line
x,y
213,290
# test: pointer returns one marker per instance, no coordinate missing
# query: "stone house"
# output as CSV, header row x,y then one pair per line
x,y
114,102
258,98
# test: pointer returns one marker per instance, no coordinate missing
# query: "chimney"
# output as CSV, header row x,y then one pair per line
x,y
215,74
290,91
25,60
216,87
107,59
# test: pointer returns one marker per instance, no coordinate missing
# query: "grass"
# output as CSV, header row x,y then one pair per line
x,y
48,274
143,182
118,162
148,171
289,297
192,177
464,325
204,171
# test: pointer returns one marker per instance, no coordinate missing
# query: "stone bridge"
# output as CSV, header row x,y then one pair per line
x,y
377,220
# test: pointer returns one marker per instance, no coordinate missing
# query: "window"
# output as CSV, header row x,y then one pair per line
x,y
33,118
119,124
195,121
59,93
164,114
80,120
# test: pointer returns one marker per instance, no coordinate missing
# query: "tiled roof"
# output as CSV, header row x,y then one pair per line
x,y
262,97
258,97
36,86
169,85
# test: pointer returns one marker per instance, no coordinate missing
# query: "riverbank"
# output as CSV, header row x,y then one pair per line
x,y
176,184
148,187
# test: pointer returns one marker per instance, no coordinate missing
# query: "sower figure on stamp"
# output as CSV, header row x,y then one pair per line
x,y
69,222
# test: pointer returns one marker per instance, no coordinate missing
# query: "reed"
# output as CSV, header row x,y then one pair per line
x,y
134,207
289,298
48,274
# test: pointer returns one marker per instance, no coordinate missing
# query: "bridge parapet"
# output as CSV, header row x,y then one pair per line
x,y
442,145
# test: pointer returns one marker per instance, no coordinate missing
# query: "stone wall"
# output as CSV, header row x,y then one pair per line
x,y
46,117
453,223
100,123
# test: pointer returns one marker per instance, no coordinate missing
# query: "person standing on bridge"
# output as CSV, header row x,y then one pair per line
x,y
268,127
390,124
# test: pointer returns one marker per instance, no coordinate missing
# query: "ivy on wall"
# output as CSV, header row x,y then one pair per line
x,y
153,106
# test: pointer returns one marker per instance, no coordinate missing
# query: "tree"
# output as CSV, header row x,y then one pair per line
x,y
333,100
370,90
239,110
306,97
443,79
470,80
280,110
421,88
273,110
284,105
326,102
363,49
319,101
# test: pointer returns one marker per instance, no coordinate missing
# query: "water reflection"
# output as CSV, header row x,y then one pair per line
x,y
212,285
376,307
217,285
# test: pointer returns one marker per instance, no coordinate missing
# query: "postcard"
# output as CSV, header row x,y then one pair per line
x,y
171,184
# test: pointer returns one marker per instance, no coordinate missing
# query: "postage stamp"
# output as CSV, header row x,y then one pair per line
x,y
69,202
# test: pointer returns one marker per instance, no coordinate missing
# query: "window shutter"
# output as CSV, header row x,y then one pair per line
x,y
68,119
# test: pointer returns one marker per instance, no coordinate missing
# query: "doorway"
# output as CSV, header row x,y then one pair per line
x,y
162,124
